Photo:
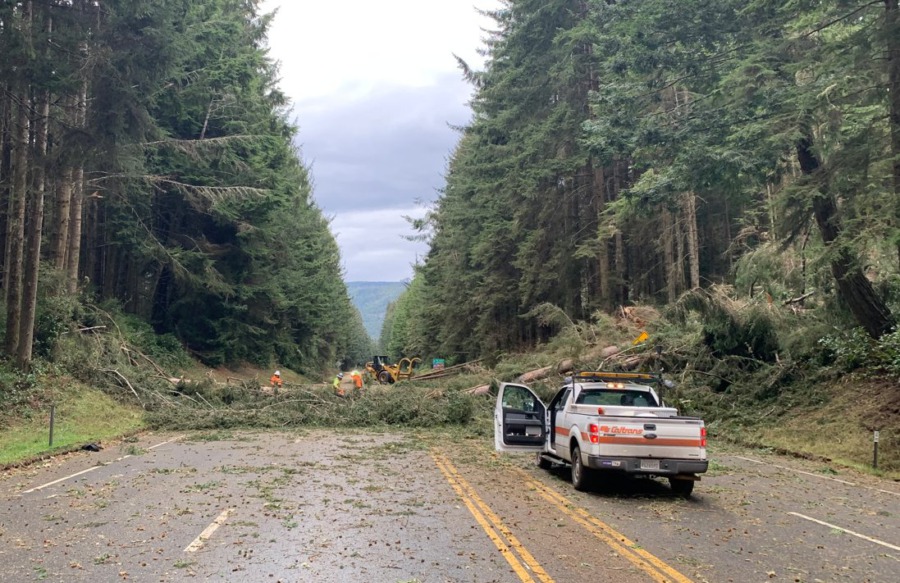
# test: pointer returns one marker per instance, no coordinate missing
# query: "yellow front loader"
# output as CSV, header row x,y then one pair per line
x,y
387,374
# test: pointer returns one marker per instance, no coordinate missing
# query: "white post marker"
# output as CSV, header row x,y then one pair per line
x,y
875,450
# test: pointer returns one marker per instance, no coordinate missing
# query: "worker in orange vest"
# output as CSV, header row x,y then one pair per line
x,y
357,379
276,381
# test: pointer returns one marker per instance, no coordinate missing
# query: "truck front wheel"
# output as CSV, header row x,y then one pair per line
x,y
581,476
542,462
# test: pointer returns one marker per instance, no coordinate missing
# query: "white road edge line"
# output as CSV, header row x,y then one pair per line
x,y
76,474
41,487
165,442
818,476
746,459
208,532
862,536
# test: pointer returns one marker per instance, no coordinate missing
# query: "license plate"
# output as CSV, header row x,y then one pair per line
x,y
649,464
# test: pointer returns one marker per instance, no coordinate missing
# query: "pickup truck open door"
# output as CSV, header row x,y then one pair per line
x,y
520,420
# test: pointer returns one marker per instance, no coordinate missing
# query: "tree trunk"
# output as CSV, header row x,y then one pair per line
x,y
64,188
867,307
693,241
35,222
598,186
73,254
678,234
668,244
892,37
5,172
621,296
15,231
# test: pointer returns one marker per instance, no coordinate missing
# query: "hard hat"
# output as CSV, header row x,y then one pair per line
x,y
340,375
277,373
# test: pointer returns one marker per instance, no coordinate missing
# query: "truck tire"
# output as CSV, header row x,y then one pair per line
x,y
542,462
681,488
581,476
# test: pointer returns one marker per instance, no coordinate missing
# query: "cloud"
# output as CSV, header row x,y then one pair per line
x,y
321,45
379,250
375,88
376,159
387,151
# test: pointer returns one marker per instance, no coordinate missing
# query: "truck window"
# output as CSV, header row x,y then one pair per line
x,y
612,397
519,399
559,403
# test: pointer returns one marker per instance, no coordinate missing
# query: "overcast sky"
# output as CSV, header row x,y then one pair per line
x,y
375,89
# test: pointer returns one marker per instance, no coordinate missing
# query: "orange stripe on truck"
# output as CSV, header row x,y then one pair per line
x,y
562,431
667,442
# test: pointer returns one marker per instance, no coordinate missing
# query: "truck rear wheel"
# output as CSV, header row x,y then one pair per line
x,y
681,488
581,476
385,378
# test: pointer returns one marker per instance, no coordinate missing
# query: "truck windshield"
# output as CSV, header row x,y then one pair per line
x,y
608,397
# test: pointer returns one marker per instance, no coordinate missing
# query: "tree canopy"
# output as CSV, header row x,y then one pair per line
x,y
627,152
157,135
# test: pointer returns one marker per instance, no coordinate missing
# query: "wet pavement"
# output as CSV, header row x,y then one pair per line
x,y
342,506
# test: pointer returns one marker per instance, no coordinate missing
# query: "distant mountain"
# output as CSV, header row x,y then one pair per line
x,y
371,298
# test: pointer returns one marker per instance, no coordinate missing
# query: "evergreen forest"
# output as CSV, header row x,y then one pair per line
x,y
722,175
731,167
148,169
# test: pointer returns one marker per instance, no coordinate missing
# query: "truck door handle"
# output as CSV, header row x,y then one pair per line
x,y
649,436
650,426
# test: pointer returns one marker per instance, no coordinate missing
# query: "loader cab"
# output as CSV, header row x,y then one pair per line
x,y
379,362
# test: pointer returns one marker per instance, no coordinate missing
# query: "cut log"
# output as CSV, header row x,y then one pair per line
x,y
610,351
632,362
535,375
479,390
565,366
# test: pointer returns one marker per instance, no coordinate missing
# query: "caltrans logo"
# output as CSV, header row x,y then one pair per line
x,y
620,430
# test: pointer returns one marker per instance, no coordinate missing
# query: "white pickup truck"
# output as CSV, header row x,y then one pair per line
x,y
603,421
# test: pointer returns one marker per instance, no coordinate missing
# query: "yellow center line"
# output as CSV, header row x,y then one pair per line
x,y
517,546
491,524
650,564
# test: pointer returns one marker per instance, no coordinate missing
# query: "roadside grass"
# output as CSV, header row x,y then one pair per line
x,y
838,428
83,415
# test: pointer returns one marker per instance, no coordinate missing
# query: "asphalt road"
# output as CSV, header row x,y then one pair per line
x,y
359,506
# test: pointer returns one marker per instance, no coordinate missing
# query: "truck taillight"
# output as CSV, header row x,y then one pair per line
x,y
594,430
703,437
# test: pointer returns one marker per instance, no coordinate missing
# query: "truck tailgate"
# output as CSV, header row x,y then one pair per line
x,y
666,437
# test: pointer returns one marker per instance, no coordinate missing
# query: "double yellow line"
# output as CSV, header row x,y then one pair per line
x,y
653,566
518,557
